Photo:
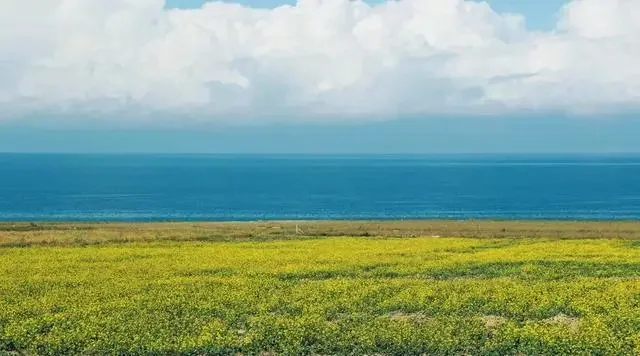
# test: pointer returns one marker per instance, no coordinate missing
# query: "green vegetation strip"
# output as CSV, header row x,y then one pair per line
x,y
342,295
60,234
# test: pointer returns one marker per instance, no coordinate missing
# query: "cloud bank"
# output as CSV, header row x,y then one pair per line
x,y
320,59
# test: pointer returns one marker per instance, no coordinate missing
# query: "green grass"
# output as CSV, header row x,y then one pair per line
x,y
64,234
81,290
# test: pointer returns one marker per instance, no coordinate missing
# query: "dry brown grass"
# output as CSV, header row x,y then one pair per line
x,y
561,319
493,321
26,234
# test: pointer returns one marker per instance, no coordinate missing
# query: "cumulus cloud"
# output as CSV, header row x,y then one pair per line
x,y
319,59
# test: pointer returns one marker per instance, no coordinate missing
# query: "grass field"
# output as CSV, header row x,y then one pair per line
x,y
344,288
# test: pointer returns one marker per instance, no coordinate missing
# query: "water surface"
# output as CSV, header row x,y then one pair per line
x,y
254,187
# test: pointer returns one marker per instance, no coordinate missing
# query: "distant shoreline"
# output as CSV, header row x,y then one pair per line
x,y
321,221
22,234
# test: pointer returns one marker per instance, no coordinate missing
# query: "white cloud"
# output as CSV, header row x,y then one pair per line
x,y
319,59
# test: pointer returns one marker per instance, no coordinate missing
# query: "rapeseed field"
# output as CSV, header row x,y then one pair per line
x,y
323,296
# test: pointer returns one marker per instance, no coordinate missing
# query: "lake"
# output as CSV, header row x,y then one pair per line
x,y
138,187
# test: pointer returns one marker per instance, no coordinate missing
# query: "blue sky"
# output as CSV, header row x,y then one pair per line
x,y
540,14
419,77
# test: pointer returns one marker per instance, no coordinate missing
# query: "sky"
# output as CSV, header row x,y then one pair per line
x,y
540,14
320,76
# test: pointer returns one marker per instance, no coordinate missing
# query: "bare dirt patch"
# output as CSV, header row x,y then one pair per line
x,y
398,315
562,319
492,322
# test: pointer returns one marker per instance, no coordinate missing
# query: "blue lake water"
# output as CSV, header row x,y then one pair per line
x,y
246,187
